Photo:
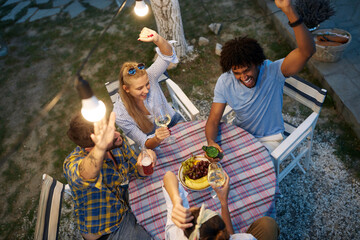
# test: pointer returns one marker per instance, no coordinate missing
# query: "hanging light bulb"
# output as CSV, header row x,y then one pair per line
x,y
92,109
141,9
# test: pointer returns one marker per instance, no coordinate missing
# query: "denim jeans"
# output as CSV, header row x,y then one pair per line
x,y
129,229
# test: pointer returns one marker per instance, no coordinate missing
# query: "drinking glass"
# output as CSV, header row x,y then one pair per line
x,y
216,176
146,162
163,119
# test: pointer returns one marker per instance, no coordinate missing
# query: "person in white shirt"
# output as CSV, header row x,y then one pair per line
x,y
194,223
140,94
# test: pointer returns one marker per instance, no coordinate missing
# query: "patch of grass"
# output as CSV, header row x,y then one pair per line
x,y
304,111
3,134
14,172
348,148
11,60
279,49
7,228
11,200
329,102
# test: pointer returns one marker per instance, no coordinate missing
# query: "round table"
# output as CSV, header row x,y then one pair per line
x,y
246,161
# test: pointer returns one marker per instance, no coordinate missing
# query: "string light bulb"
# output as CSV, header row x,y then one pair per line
x,y
92,109
141,9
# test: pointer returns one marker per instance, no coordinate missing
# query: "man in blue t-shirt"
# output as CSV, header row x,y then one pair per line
x,y
253,86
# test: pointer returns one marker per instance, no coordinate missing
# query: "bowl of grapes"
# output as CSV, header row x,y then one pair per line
x,y
193,173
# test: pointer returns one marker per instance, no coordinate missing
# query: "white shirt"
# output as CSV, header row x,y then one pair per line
x,y
173,232
154,99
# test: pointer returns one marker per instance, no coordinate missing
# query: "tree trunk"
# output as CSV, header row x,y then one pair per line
x,y
169,24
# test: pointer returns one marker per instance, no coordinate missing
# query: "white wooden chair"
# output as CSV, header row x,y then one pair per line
x,y
298,139
48,216
179,101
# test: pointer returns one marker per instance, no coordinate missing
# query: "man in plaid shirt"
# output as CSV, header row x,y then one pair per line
x,y
98,172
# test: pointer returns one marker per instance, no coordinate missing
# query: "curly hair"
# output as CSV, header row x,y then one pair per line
x,y
242,51
80,130
212,229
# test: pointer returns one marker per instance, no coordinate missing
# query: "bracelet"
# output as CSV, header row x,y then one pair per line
x,y
296,23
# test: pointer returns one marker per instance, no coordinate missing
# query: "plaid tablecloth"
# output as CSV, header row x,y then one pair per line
x,y
246,161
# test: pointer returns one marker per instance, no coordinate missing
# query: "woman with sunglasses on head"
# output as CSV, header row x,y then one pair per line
x,y
140,94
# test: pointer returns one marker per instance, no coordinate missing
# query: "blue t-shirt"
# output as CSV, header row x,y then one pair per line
x,y
258,109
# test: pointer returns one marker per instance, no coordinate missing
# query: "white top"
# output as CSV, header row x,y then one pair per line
x,y
173,232
155,98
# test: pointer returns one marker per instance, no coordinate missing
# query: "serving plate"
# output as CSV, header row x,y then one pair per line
x,y
180,174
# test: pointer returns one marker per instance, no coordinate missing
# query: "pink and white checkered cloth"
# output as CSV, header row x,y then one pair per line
x,y
246,161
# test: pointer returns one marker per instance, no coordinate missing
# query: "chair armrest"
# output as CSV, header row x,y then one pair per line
x,y
295,138
181,99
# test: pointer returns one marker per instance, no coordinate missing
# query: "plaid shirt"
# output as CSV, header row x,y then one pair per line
x,y
101,202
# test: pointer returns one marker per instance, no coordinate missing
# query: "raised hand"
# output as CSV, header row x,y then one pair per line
x,y
223,191
103,137
104,131
181,216
148,35
283,3
162,133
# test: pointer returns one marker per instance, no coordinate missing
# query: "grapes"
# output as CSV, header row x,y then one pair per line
x,y
195,169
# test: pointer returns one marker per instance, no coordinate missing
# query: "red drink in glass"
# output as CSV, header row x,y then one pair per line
x,y
147,165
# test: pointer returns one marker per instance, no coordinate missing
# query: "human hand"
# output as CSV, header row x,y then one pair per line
x,y
139,165
182,216
162,133
148,35
283,4
104,131
214,144
223,191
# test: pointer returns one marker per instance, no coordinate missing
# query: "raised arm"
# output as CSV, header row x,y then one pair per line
x,y
212,124
223,193
180,216
149,35
103,137
296,59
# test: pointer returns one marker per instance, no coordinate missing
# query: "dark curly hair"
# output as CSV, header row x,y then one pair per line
x,y
212,229
242,51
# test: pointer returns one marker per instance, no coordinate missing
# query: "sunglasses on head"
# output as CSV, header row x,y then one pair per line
x,y
132,70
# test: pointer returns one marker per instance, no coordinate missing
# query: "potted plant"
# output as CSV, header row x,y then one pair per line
x,y
314,12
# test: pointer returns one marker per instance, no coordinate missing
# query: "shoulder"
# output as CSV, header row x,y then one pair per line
x,y
225,76
273,69
225,79
77,153
272,65
119,107
73,159
121,113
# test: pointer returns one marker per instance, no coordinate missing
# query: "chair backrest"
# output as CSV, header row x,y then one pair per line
x,y
305,92
48,217
181,101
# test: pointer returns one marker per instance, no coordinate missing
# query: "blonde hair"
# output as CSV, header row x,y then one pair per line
x,y
134,111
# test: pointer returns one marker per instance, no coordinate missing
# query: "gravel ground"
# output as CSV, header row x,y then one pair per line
x,y
324,203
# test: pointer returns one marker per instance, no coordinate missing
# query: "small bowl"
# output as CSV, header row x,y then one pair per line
x,y
180,174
